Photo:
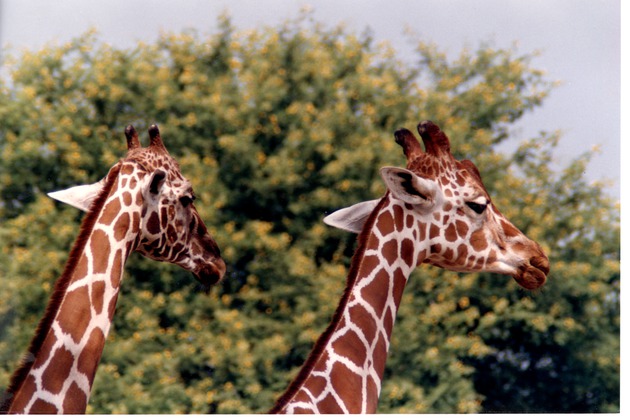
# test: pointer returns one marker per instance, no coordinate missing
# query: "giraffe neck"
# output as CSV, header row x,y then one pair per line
x,y
59,369
343,373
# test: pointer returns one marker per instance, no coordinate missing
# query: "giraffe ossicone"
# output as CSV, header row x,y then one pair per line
x,y
436,211
144,204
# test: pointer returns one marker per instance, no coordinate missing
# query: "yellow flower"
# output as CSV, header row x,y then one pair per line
x,y
30,92
463,302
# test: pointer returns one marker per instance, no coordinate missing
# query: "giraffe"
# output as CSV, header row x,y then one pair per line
x,y
436,211
144,204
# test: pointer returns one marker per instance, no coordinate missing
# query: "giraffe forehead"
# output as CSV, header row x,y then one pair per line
x,y
152,161
453,177
429,166
177,182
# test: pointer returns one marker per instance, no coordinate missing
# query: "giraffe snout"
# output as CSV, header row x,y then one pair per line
x,y
211,273
541,262
534,273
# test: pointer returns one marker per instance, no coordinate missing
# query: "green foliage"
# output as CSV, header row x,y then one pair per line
x,y
275,127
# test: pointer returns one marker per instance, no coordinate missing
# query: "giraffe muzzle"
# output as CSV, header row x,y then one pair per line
x,y
534,274
212,273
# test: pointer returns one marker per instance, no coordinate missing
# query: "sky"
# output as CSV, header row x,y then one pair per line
x,y
579,43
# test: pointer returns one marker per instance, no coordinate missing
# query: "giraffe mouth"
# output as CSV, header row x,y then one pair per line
x,y
533,275
211,274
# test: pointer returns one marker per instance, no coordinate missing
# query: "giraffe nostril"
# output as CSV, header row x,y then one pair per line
x,y
541,263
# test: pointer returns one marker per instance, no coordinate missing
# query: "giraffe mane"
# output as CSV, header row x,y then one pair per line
x,y
323,339
61,286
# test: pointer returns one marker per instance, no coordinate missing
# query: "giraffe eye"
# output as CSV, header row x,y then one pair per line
x,y
187,200
476,207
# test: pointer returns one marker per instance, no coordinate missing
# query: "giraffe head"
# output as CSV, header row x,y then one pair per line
x,y
453,213
159,201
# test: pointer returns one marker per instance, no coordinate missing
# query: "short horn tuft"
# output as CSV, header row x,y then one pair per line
x,y
435,141
409,142
132,137
154,135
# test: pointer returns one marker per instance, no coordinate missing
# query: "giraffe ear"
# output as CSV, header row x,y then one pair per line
x,y
351,218
157,180
80,196
409,187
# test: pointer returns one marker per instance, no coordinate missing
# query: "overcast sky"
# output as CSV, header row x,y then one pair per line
x,y
579,41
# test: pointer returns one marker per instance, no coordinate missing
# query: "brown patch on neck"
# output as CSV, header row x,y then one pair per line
x,y
59,291
323,340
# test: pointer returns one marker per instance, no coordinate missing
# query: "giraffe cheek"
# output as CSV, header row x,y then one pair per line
x,y
448,254
450,234
434,231
462,255
153,224
478,240
172,234
165,216
462,228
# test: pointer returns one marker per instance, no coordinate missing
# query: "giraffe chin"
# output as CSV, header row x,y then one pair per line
x,y
533,275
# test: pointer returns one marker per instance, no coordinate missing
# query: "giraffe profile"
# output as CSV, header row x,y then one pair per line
x,y
144,204
436,211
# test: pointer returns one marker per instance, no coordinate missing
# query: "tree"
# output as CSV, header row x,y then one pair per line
x,y
276,127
